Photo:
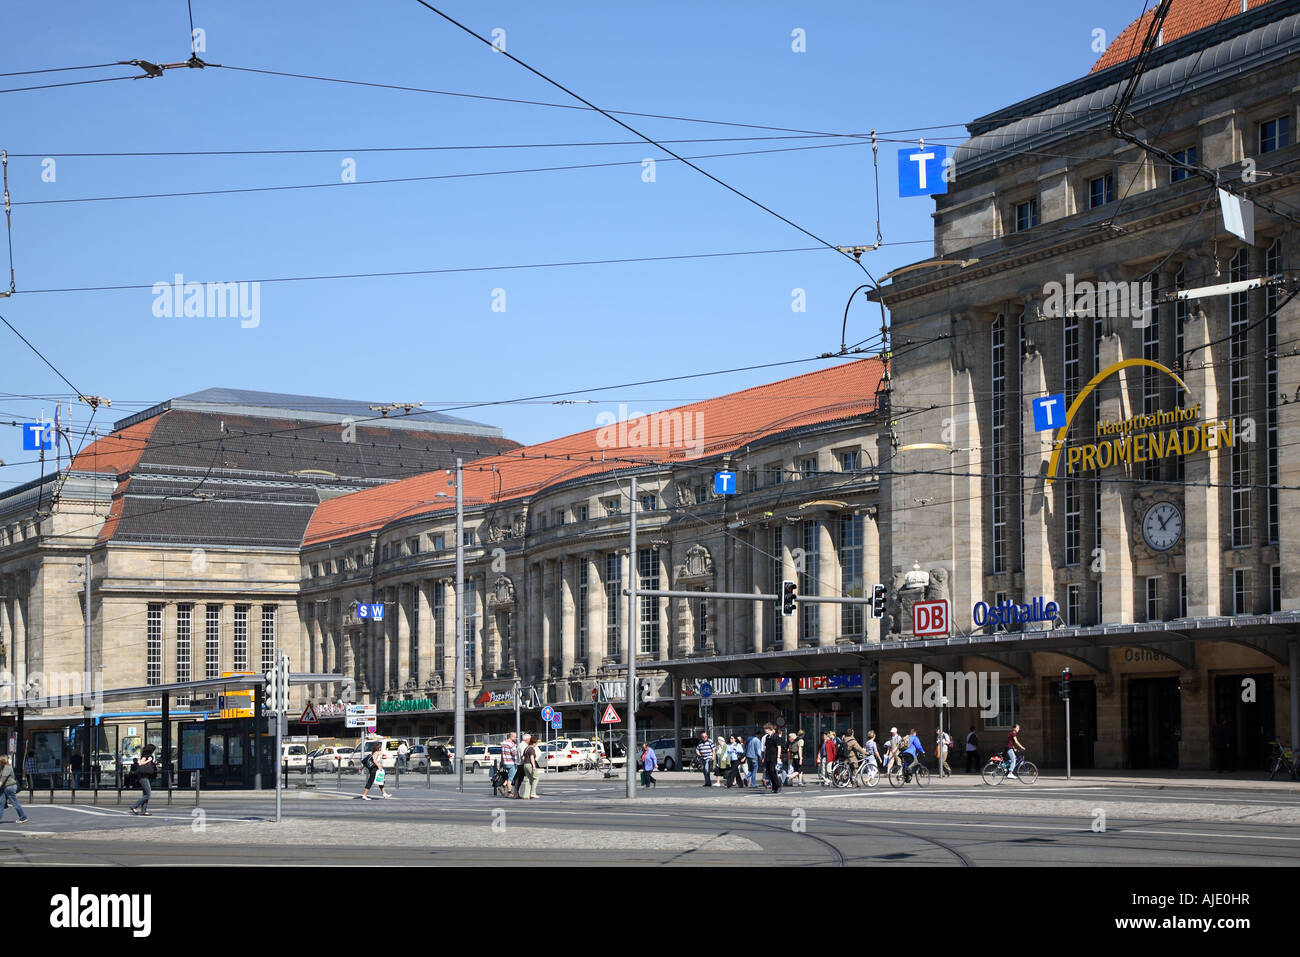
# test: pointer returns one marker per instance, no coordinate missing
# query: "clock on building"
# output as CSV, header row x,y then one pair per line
x,y
1162,526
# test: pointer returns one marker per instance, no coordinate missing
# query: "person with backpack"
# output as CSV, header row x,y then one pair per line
x,y
972,751
942,742
826,760
145,773
852,752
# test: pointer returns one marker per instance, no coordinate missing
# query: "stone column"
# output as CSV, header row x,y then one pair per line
x,y
595,613
492,639
1038,504
664,606
828,575
758,565
479,638
1201,514
627,565
404,603
787,627
548,617
20,632
1288,469
426,663
1117,530
873,573
447,666
530,660
568,612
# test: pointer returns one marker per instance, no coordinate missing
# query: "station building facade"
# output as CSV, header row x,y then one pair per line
x,y
1159,502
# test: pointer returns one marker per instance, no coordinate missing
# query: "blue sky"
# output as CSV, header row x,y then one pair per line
x,y
437,339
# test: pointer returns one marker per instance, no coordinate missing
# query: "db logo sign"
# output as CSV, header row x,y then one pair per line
x,y
930,619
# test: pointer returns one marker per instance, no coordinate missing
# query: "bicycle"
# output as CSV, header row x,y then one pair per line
x,y
1283,759
599,763
841,774
868,774
1026,772
914,770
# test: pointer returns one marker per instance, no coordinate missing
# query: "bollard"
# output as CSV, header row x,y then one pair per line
x,y
428,770
338,768
118,775
197,787
168,779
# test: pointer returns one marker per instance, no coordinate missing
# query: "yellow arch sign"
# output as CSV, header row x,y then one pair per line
x,y
1095,381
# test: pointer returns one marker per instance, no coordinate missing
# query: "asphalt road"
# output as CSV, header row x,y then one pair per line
x,y
587,821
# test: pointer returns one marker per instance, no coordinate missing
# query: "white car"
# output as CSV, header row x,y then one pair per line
x,y
565,753
330,759
385,750
481,756
294,757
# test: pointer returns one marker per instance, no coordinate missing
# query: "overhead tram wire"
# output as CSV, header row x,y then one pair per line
x,y
416,179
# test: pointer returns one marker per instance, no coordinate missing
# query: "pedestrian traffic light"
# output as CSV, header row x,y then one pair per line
x,y
1063,689
878,601
789,594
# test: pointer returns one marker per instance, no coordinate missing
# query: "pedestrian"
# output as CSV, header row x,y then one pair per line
x,y
804,752
853,753
972,751
531,770
374,774
704,751
403,756
942,742
894,751
795,747
9,789
772,757
148,767
753,756
1222,745
510,761
29,769
75,765
827,758
872,752
648,764
736,754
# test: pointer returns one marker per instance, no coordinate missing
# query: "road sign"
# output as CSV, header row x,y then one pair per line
x,y
930,618
38,436
780,721
548,713
557,719
309,715
372,611
1049,413
610,716
724,483
706,690
920,171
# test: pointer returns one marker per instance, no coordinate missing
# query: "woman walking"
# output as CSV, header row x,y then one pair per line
x,y
145,772
648,764
9,788
529,790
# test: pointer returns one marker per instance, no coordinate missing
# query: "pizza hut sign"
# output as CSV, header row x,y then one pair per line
x,y
494,699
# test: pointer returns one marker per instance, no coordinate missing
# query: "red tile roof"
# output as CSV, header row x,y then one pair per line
x,y
118,452
698,430
1185,16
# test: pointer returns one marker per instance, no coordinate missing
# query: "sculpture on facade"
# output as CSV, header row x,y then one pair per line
x,y
503,591
909,588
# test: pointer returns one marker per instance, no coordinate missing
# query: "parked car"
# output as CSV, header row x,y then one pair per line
x,y
384,749
293,757
331,759
565,754
666,754
617,753
481,756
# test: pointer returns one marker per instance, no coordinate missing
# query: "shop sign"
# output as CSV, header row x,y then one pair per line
x,y
823,682
721,686
1014,613
494,699
412,704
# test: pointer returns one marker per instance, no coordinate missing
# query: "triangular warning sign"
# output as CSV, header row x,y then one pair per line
x,y
610,716
309,715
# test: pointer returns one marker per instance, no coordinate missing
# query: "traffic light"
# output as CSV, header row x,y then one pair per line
x,y
272,690
789,594
1063,689
878,601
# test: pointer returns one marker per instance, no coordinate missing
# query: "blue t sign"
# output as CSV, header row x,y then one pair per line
x,y
1049,413
724,483
920,171
38,436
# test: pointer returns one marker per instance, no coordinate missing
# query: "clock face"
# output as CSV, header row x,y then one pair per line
x,y
1162,526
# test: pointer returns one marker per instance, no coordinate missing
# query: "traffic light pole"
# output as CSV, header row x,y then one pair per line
x,y
634,577
1065,684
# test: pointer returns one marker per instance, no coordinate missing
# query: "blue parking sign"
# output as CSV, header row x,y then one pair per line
x,y
363,610
920,171
1049,413
724,483
377,611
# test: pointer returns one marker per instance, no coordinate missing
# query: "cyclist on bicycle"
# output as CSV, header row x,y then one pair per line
x,y
852,753
914,749
1013,744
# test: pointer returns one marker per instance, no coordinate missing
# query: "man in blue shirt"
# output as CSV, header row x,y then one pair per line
x,y
914,749
753,754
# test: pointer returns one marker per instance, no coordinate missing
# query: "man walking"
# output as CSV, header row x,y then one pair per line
x,y
510,761
772,757
942,741
972,751
704,751
753,755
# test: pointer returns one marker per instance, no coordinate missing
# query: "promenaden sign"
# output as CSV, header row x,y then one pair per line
x,y
1176,432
